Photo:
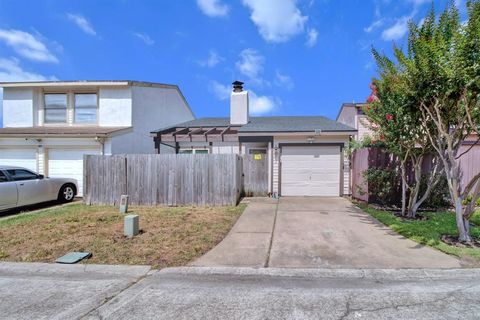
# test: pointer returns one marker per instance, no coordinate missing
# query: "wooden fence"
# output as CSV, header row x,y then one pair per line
x,y
374,157
152,179
255,172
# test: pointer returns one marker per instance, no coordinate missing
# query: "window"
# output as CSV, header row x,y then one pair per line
x,y
193,151
21,174
257,151
3,177
85,107
55,108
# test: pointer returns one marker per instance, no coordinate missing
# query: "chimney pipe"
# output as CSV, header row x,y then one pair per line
x,y
239,104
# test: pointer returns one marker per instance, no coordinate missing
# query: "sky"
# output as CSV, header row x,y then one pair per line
x,y
296,57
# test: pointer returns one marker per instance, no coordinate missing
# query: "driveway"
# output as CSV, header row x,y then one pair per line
x,y
318,232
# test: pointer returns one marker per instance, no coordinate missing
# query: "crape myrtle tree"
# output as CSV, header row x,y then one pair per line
x,y
440,74
396,124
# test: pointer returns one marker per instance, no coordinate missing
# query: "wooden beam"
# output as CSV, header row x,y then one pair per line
x,y
208,131
194,131
174,134
224,130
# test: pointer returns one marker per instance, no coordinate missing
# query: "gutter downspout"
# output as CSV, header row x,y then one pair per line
x,y
101,140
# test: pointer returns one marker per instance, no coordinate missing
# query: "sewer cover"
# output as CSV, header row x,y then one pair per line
x,y
73,257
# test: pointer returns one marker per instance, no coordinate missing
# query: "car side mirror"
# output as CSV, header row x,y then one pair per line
x,y
41,176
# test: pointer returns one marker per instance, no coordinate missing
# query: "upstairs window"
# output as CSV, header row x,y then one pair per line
x,y
85,108
55,108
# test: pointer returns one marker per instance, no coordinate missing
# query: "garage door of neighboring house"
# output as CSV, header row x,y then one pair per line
x,y
26,158
310,170
68,163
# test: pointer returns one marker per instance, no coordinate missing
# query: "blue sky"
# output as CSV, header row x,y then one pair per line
x,y
301,57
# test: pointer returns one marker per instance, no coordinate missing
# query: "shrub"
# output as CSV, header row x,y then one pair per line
x,y
383,185
439,196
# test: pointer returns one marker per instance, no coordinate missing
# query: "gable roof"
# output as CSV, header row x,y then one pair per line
x,y
270,124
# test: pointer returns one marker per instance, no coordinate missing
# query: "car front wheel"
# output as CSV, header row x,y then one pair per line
x,y
67,193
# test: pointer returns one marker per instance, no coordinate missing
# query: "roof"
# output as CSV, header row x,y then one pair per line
x,y
271,124
88,83
349,105
85,131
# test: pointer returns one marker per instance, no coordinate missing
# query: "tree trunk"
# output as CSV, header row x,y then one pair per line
x,y
404,188
412,200
463,224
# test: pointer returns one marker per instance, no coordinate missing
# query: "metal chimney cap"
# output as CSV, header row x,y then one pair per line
x,y
237,86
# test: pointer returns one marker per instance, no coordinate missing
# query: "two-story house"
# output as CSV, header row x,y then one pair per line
x,y
50,126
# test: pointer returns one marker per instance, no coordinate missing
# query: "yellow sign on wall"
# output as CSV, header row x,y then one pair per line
x,y
257,156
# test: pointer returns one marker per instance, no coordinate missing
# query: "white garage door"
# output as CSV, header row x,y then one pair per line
x,y
26,158
68,163
310,171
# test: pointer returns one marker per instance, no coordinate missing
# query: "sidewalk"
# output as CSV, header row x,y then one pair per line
x,y
248,242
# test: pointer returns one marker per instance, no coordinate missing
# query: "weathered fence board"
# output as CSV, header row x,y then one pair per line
x,y
151,179
255,172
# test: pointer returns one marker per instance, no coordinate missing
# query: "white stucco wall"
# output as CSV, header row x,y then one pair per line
x,y
152,108
115,107
17,107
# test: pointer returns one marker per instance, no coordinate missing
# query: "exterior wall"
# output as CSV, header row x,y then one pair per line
x,y
115,107
152,108
303,139
347,115
17,107
362,127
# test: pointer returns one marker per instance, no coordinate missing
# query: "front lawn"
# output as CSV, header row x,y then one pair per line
x,y
169,236
429,231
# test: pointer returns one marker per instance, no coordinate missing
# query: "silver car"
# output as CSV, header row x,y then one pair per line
x,y
22,187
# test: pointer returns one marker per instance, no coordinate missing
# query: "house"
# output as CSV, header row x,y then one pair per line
x,y
352,115
305,154
50,126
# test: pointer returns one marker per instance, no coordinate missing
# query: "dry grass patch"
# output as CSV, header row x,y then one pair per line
x,y
169,236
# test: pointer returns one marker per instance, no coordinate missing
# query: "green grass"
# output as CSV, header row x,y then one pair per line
x,y
430,231
475,219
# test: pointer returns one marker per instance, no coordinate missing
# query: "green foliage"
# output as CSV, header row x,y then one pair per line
x,y
383,185
439,196
367,142
428,232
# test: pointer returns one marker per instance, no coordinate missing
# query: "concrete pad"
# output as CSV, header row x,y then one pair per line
x,y
248,243
333,233
246,293
53,291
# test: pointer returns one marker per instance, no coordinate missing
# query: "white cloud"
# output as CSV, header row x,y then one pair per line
x,y
213,8
262,104
276,20
27,45
312,37
258,104
397,31
82,23
10,70
213,59
145,38
251,64
374,25
284,81
220,91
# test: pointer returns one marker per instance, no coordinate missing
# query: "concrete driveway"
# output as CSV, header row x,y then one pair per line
x,y
318,232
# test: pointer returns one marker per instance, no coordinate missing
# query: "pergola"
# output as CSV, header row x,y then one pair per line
x,y
196,134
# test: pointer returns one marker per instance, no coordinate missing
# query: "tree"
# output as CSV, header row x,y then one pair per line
x,y
440,75
395,122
